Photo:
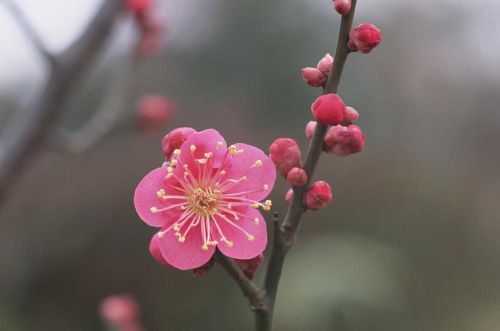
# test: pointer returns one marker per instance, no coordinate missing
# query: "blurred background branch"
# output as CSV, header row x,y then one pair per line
x,y
27,129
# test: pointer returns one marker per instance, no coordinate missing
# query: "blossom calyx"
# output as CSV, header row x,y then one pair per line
x,y
364,38
296,176
285,154
318,195
328,109
343,141
313,77
250,267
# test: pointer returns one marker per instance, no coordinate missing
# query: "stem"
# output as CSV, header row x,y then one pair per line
x,y
284,235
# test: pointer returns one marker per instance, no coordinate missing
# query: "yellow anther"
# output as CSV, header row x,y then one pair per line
x,y
170,169
255,205
160,234
204,247
173,163
177,152
219,144
208,155
266,187
256,221
250,237
160,193
201,161
192,148
267,205
229,243
232,150
153,209
258,163
177,234
182,239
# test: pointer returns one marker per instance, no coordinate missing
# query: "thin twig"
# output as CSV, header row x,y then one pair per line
x,y
26,129
28,30
249,289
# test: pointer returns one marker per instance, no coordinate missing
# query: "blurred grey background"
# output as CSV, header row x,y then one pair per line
x,y
411,241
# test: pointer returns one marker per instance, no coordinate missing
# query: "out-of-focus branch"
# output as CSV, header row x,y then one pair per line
x,y
114,102
27,129
28,30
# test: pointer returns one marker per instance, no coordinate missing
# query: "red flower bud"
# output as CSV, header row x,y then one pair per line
x,y
364,38
318,196
343,141
204,269
351,116
313,77
174,139
296,176
310,127
138,7
328,109
289,196
249,267
154,111
342,6
285,153
325,64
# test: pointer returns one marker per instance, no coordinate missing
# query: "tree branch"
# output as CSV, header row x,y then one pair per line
x,y
286,234
28,30
27,129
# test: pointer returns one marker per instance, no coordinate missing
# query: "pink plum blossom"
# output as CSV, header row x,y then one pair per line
x,y
207,197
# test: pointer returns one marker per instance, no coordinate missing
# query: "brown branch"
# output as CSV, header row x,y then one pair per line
x,y
285,235
27,129
28,30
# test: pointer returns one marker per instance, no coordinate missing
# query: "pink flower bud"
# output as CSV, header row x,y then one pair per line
x,y
285,153
249,267
310,127
343,141
174,139
328,109
154,111
289,196
342,6
313,77
119,310
318,196
364,38
296,176
351,115
204,269
325,64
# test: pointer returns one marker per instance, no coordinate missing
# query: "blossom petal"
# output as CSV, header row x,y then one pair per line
x,y
243,248
154,249
186,255
207,141
145,197
256,166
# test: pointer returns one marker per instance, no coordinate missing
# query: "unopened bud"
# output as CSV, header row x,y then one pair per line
x,y
250,267
138,7
296,176
351,116
328,109
204,269
364,38
318,196
174,139
285,154
313,77
325,64
310,128
154,111
343,141
289,196
342,6
119,310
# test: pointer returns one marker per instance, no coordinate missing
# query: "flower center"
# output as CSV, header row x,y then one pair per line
x,y
204,201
